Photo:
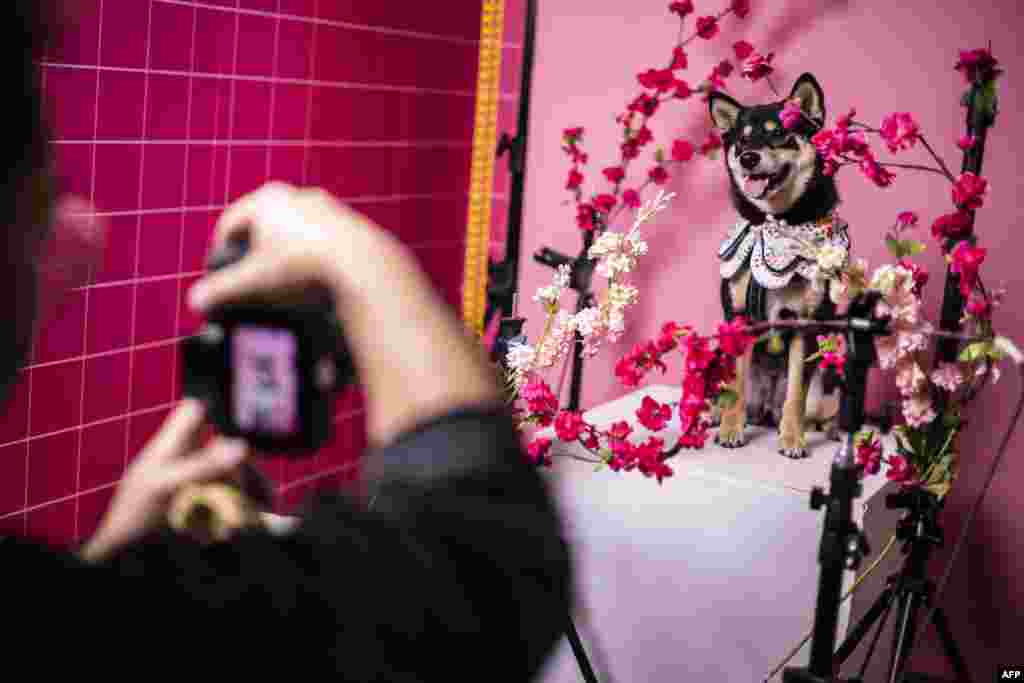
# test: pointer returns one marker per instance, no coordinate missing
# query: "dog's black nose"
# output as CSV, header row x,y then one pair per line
x,y
750,160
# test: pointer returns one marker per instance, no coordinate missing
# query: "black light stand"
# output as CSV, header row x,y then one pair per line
x,y
842,543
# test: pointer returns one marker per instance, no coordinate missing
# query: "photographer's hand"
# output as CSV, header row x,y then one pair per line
x,y
172,459
415,359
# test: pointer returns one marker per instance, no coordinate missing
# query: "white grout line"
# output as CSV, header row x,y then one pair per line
x,y
138,228
273,86
307,131
371,144
231,109
340,85
339,24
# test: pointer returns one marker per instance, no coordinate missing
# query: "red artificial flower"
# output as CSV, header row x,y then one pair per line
x,y
713,142
733,338
585,217
654,415
878,174
698,353
649,459
869,454
977,65
645,104
952,226
743,49
682,150
683,89
919,274
846,119
792,114
829,167
724,68
679,60
741,8
620,430
614,174
658,175
661,80
667,339
758,66
900,470
966,261
979,306
969,191
575,180
631,198
643,136
833,359
538,396
900,131
537,452
572,135
966,142
569,425
682,8
627,372
630,150
605,203
906,219
707,27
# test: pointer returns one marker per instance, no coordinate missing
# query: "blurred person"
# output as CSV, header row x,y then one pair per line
x,y
459,568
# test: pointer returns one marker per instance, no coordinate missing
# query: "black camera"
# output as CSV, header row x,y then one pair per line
x,y
268,373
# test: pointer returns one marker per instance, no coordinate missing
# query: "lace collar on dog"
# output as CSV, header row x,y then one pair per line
x,y
776,250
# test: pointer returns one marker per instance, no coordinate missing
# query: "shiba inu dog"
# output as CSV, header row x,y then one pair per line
x,y
785,202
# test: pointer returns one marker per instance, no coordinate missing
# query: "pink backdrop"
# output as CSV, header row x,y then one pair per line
x,y
877,56
165,111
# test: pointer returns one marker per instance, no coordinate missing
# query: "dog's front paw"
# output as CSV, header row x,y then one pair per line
x,y
730,438
792,441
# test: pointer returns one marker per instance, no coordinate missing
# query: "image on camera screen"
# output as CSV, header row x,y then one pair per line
x,y
266,384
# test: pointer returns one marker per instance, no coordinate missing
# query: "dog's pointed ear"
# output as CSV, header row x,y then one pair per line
x,y
811,97
724,111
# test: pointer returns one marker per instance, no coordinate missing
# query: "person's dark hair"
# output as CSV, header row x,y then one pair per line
x,y
25,200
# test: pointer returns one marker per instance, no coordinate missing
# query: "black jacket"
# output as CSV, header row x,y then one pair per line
x,y
457,571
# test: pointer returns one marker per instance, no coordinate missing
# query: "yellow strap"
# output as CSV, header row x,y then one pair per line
x,y
481,183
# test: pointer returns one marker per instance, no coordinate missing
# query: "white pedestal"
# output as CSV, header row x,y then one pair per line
x,y
711,576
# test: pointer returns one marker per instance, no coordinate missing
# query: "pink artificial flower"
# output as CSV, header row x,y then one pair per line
x,y
900,470
569,425
878,174
966,142
832,359
682,150
743,49
969,191
846,119
683,89
741,8
952,226
592,442
682,8
906,219
631,198
966,261
537,452
614,174
918,410
654,415
899,131
658,175
758,66
575,180
948,376
977,65
826,142
910,378
585,217
661,80
792,114
605,203
707,27
869,454
572,135
679,60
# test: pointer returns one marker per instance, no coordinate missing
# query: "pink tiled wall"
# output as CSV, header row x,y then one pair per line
x,y
164,112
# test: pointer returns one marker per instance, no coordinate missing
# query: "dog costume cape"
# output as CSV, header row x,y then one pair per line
x,y
775,251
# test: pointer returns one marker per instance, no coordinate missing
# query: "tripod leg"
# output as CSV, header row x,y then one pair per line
x,y
874,641
903,638
581,654
952,651
882,604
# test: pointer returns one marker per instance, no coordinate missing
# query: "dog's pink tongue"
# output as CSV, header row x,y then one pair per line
x,y
755,187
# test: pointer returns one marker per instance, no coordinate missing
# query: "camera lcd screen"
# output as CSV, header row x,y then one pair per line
x,y
266,381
